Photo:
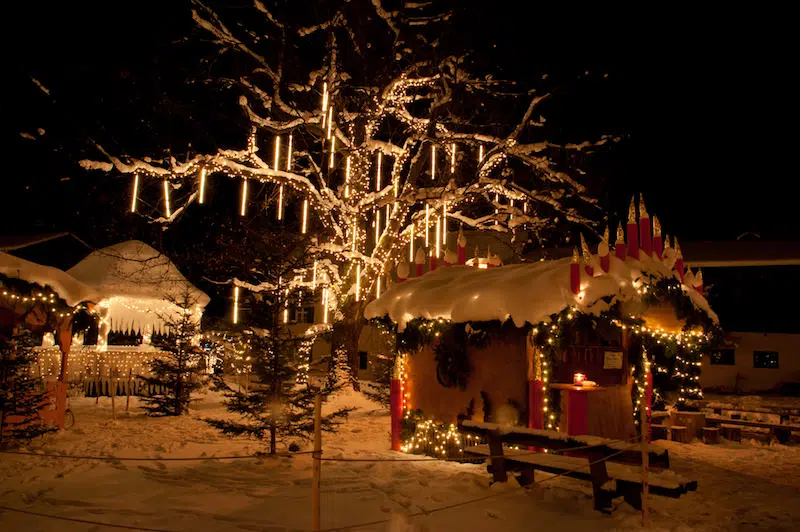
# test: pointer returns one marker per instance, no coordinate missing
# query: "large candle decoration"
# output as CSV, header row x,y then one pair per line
x,y
575,272
402,272
462,247
645,240
587,257
658,243
419,261
633,232
678,259
619,244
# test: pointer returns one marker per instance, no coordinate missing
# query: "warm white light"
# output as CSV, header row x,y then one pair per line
x,y
433,161
289,155
280,202
511,216
444,224
377,225
378,172
438,240
333,151
235,304
330,120
358,282
324,96
324,305
480,153
243,209
135,192
388,213
355,232
427,220
378,287
277,152
202,186
453,158
483,266
305,219
347,178
286,306
166,199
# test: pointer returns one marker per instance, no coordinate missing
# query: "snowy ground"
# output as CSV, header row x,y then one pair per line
x,y
744,486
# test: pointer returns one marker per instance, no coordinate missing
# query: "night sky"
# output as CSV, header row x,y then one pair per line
x,y
704,104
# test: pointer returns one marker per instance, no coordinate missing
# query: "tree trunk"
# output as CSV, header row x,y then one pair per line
x,y
346,334
272,440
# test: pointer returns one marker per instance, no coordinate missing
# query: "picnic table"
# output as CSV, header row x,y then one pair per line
x,y
586,458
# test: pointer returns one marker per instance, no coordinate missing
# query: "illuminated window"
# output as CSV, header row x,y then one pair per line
x,y
723,357
765,359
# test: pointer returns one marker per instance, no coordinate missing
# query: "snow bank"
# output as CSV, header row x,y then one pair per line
x,y
522,292
65,285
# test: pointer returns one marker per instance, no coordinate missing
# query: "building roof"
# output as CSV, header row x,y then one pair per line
x,y
66,286
524,293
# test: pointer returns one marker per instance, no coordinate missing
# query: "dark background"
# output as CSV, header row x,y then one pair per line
x,y
704,103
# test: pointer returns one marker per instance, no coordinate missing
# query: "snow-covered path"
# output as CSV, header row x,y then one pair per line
x,y
742,487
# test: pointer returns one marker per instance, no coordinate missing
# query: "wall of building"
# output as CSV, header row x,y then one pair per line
x,y
742,376
499,370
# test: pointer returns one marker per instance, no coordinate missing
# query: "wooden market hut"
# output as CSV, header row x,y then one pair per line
x,y
510,344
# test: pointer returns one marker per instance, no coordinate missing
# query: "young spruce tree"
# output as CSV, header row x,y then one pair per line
x,y
178,371
21,394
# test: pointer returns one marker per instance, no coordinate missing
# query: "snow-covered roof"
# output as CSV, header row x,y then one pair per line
x,y
65,285
529,292
134,269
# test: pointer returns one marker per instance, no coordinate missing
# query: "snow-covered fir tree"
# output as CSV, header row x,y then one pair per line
x,y
368,128
21,395
178,370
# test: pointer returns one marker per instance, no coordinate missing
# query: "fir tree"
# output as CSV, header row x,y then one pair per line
x,y
275,406
178,371
20,393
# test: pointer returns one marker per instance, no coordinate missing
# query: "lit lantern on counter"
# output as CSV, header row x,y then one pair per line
x,y
578,378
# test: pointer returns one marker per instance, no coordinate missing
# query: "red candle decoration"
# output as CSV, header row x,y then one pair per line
x,y
578,378
633,232
645,240
575,273
587,257
402,272
488,261
462,247
603,250
679,259
449,257
698,281
419,259
619,245
433,262
658,242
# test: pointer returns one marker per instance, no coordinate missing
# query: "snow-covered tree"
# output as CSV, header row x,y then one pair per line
x,y
372,131
178,371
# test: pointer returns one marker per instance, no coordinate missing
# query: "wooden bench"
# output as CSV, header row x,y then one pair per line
x,y
781,432
608,480
616,450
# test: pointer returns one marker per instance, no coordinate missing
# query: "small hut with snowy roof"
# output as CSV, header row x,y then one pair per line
x,y
139,288
570,344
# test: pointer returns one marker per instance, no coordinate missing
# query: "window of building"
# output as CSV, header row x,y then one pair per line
x,y
362,360
723,357
765,359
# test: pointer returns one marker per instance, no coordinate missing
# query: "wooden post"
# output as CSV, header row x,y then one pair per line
x,y
316,467
645,460
130,382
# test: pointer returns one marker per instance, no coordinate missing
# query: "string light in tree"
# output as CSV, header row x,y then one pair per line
x,y
347,177
333,153
135,192
324,98
444,223
480,153
243,209
411,246
433,162
453,158
330,121
202,197
358,281
438,239
325,305
304,227
314,277
235,305
166,199
289,154
427,223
